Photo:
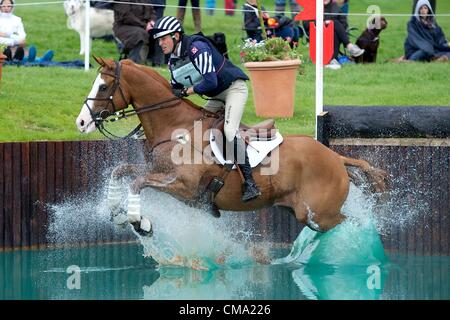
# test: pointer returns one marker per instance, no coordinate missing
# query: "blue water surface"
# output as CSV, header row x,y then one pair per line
x,y
121,272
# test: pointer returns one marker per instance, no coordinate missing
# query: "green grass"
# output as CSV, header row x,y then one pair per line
x,y
42,103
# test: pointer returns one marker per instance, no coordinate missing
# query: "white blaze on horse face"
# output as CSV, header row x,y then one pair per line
x,y
84,121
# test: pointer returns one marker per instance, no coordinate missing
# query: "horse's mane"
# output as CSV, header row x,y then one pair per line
x,y
152,73
159,78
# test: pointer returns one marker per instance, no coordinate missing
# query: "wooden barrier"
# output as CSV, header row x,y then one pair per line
x,y
413,145
36,174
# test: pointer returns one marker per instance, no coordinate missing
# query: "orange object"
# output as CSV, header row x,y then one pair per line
x,y
273,23
328,41
273,84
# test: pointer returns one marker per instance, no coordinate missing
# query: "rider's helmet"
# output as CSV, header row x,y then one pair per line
x,y
166,25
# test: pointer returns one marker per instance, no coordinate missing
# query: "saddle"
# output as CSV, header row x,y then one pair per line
x,y
261,138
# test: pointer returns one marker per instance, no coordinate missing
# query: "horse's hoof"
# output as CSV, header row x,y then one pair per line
x,y
214,210
119,217
143,227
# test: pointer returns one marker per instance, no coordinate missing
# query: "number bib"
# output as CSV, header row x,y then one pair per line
x,y
184,72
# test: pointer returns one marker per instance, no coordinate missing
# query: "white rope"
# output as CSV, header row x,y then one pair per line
x,y
236,10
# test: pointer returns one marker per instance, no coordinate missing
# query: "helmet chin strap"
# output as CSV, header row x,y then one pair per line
x,y
175,42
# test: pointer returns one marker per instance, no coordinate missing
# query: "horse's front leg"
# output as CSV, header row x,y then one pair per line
x,y
117,192
161,181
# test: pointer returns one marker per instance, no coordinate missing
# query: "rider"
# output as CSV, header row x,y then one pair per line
x,y
196,66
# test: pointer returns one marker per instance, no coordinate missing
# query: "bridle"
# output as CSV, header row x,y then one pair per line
x,y
105,115
102,116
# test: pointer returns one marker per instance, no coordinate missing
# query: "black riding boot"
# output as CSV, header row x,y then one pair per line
x,y
250,189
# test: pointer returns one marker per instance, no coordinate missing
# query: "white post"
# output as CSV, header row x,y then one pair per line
x,y
87,33
319,58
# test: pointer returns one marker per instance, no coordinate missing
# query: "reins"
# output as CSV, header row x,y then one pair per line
x,y
99,118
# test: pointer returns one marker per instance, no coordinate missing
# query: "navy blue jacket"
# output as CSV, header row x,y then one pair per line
x,y
216,71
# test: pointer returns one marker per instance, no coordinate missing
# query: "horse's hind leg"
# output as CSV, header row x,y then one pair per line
x,y
317,221
378,177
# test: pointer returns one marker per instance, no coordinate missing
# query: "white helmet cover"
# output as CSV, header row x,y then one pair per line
x,y
166,25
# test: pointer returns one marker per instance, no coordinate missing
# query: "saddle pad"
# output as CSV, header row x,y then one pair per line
x,y
256,150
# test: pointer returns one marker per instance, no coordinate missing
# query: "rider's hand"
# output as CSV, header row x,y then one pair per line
x,y
180,93
150,25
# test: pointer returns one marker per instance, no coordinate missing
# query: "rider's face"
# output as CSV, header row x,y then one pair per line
x,y
167,43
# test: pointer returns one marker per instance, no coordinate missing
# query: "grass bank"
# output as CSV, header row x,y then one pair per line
x,y
42,103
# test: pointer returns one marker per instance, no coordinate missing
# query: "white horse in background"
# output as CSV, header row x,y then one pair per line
x,y
101,21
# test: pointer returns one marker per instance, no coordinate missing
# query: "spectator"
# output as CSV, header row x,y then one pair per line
x,y
252,25
12,32
332,12
283,27
197,67
277,26
426,40
432,2
281,4
229,6
210,5
131,25
343,4
157,57
32,52
196,15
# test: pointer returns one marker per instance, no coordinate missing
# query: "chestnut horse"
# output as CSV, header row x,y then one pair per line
x,y
311,179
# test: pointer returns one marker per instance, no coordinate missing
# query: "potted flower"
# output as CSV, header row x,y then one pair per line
x,y
2,59
273,66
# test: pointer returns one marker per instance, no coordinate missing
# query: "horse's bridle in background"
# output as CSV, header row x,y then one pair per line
x,y
102,116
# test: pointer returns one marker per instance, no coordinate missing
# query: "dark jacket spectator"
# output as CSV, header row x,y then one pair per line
x,y
332,11
131,25
426,40
432,2
251,20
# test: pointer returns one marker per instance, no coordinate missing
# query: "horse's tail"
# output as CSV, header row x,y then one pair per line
x,y
377,177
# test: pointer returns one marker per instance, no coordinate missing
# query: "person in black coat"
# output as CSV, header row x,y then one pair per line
x,y
131,25
426,40
432,2
332,11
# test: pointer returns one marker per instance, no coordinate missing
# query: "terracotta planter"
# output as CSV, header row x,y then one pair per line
x,y
273,84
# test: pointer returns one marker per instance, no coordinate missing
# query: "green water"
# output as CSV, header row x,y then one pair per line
x,y
121,272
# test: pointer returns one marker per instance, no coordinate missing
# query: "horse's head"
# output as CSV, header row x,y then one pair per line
x,y
106,97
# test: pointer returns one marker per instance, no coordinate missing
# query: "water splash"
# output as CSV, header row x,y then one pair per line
x,y
82,219
192,238
357,241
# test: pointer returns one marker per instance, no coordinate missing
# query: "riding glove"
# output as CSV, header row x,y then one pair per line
x,y
180,93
